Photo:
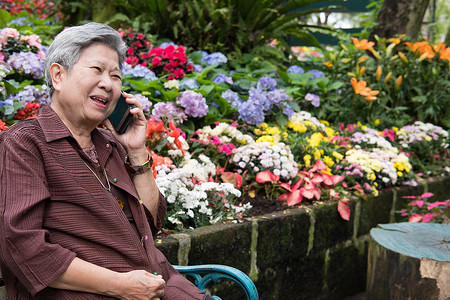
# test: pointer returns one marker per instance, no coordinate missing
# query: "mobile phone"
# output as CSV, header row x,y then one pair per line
x,y
121,116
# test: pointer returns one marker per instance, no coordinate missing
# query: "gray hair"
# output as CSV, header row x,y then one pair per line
x,y
68,45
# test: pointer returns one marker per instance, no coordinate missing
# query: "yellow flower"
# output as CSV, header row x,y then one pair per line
x,y
362,71
377,122
328,161
378,73
388,77
337,155
317,154
266,138
375,191
402,56
273,130
307,160
325,122
263,125
257,131
398,83
315,139
395,129
328,64
373,176
399,173
298,127
362,59
329,132
389,48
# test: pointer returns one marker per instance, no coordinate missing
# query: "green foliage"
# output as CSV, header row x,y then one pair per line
x,y
411,86
211,25
26,24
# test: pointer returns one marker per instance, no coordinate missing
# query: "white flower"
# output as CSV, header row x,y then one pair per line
x,y
172,84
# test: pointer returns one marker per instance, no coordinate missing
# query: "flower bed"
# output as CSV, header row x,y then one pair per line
x,y
225,133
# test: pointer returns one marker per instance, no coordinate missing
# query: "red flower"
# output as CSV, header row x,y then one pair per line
x,y
156,61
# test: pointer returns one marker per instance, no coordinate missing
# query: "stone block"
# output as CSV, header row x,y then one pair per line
x,y
375,210
226,244
346,271
282,235
329,228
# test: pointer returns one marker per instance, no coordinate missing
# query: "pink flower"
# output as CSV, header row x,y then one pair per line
x,y
234,124
215,140
34,41
427,195
436,204
427,218
10,32
415,218
419,203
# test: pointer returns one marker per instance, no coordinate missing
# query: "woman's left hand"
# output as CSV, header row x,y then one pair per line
x,y
134,137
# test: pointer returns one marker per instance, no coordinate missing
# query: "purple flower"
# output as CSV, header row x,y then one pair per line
x,y
28,63
315,100
138,71
277,96
232,98
251,112
260,98
287,110
168,111
190,83
295,69
198,68
194,103
266,83
316,74
223,78
32,94
216,58
146,104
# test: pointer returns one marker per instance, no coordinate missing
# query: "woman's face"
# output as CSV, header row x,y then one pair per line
x,y
89,91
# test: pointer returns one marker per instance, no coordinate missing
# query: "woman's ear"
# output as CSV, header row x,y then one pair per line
x,y
57,72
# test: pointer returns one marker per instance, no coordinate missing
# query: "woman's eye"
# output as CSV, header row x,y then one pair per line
x,y
97,68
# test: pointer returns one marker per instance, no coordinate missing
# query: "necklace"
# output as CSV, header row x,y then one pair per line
x,y
106,176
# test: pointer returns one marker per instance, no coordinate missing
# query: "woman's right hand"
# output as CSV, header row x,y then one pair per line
x,y
139,285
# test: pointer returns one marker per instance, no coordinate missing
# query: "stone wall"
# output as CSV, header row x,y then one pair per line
x,y
301,253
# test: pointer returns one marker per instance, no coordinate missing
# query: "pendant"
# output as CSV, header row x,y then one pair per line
x,y
120,203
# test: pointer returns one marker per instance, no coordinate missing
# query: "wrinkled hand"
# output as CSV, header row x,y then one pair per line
x,y
134,137
140,285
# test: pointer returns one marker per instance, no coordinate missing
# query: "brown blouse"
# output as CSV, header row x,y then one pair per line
x,y
54,209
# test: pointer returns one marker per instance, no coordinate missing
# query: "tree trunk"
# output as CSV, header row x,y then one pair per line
x,y
400,17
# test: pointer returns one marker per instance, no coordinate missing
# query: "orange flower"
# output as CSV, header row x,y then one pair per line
x,y
445,53
154,129
2,125
420,48
363,44
328,64
362,89
358,87
395,40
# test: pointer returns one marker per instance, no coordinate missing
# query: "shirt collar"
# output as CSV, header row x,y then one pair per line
x,y
54,128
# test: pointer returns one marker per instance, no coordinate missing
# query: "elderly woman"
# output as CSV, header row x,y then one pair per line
x,y
79,206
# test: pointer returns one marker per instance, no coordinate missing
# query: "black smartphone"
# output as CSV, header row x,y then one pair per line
x,y
121,116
